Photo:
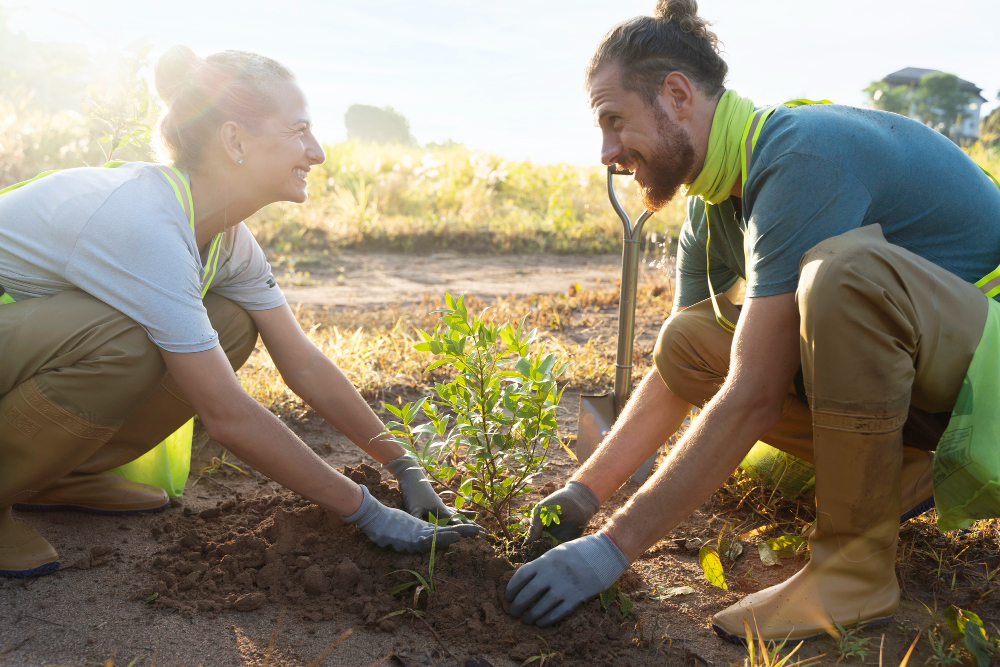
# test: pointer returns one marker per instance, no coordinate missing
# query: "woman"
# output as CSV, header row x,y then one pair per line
x,y
134,303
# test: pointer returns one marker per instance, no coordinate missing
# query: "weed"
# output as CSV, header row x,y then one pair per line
x,y
218,463
543,657
944,651
423,585
614,595
849,644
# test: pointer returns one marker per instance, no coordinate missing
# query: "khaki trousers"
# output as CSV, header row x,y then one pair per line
x,y
87,368
884,335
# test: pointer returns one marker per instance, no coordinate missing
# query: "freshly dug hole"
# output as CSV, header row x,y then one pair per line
x,y
283,550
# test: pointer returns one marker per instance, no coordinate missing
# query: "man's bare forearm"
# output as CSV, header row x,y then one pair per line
x,y
705,457
650,417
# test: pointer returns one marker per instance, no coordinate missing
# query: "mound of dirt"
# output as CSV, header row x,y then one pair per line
x,y
283,550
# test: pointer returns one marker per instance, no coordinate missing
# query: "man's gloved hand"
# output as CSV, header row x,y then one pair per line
x,y
419,497
551,587
394,528
577,505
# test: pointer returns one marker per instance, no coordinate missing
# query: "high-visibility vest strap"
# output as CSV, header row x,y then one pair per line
x,y
182,191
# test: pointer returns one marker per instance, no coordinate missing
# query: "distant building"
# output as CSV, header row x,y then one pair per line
x,y
965,132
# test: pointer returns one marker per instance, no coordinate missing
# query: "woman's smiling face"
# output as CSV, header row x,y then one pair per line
x,y
279,155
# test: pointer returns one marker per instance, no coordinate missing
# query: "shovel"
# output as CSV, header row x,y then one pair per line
x,y
598,413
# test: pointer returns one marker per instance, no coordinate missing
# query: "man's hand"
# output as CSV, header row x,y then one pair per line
x,y
552,586
577,505
394,528
419,497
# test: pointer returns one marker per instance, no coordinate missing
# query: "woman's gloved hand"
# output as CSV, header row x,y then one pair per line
x,y
577,506
394,528
419,497
549,588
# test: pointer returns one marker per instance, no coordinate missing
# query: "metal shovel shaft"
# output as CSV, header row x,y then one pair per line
x,y
631,237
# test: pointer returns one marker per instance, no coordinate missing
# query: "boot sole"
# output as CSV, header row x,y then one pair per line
x,y
742,640
41,570
28,507
918,510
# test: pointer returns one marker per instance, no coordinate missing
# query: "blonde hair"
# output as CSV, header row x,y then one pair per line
x,y
203,93
648,48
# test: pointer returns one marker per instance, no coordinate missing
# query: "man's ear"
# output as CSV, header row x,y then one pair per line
x,y
677,96
232,140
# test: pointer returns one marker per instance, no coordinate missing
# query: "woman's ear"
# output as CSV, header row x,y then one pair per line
x,y
232,141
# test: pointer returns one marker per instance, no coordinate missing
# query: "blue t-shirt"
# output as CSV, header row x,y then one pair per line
x,y
821,170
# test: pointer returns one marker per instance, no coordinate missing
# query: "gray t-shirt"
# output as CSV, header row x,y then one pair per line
x,y
822,170
120,235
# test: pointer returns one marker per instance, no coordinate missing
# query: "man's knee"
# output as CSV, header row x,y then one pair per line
x,y
685,356
236,328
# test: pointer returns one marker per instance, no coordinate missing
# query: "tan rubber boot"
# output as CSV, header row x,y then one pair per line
x,y
39,442
98,493
850,578
23,552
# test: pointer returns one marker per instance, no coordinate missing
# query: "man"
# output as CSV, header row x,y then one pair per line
x,y
863,233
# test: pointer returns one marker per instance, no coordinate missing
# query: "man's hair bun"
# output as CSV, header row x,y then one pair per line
x,y
173,69
684,14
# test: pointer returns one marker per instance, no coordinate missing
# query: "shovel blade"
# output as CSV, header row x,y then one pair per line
x,y
597,415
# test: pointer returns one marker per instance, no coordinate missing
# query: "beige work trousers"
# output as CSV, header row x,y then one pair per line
x,y
884,334
94,371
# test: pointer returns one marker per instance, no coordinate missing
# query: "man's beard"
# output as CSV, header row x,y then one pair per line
x,y
669,165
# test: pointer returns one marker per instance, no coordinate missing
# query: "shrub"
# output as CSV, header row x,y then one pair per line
x,y
490,425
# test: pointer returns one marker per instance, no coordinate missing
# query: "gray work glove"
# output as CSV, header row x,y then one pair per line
x,y
577,506
419,497
394,528
551,587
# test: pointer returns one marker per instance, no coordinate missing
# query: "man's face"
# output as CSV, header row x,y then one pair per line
x,y
642,138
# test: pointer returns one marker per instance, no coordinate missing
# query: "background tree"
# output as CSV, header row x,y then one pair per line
x,y
379,125
940,100
989,132
889,98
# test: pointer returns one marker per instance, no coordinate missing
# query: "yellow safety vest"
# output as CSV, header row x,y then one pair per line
x,y
988,284
183,193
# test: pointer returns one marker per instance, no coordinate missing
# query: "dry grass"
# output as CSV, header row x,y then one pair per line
x,y
374,347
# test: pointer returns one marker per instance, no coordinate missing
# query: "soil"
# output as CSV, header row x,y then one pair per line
x,y
373,279
242,572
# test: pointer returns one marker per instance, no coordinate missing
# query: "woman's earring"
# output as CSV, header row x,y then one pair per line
x,y
240,161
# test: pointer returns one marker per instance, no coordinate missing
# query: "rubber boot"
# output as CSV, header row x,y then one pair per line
x,y
850,578
89,488
39,442
23,552
97,493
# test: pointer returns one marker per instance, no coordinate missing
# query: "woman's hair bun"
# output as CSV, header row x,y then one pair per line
x,y
173,69
684,14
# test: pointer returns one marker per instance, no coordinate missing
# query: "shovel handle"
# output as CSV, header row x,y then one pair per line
x,y
626,303
632,233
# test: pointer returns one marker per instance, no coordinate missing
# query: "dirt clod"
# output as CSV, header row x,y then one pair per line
x,y
249,602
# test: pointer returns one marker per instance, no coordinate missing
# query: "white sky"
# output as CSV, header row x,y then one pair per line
x,y
507,76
